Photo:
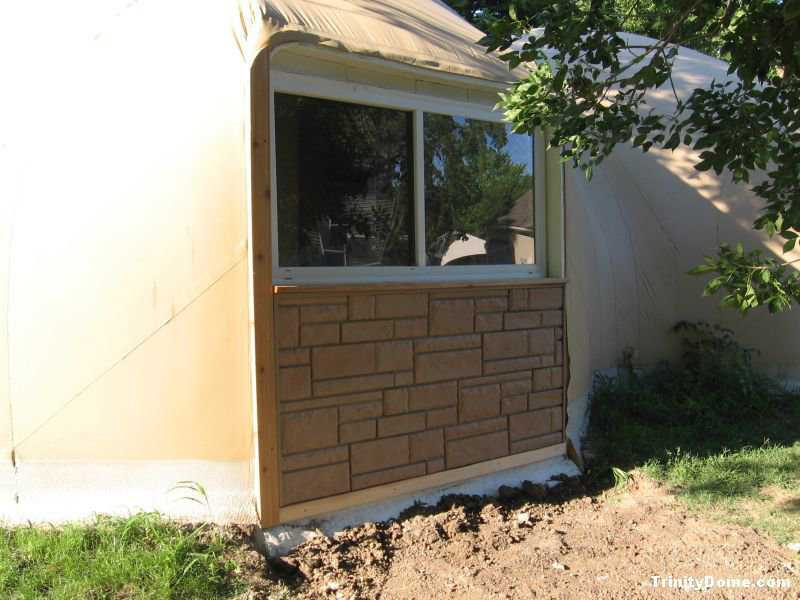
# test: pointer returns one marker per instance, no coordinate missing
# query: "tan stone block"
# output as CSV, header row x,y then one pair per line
x,y
547,360
362,308
476,449
435,466
309,430
388,476
404,378
291,358
400,424
367,331
520,386
551,439
388,306
438,395
394,356
379,454
490,305
427,445
498,378
559,353
529,424
518,299
541,341
552,318
350,385
447,365
523,320
546,379
479,403
489,322
294,383
319,334
287,326
512,364
452,316
343,361
545,298
357,431
453,342
441,417
476,428
319,482
556,419
506,344
314,458
545,399
323,313
395,402
359,412
298,405
410,328
514,404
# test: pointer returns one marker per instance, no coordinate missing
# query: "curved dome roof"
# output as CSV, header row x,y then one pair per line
x,y
423,33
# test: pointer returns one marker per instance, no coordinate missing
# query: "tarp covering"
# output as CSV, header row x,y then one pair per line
x,y
425,34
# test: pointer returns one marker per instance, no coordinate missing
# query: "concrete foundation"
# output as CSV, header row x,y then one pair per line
x,y
280,540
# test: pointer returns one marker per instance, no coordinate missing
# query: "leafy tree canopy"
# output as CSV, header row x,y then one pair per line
x,y
588,86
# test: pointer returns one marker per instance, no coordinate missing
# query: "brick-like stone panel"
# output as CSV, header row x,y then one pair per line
x,y
319,334
388,476
477,403
433,396
384,386
452,316
309,430
357,431
427,445
379,454
476,449
440,366
318,482
367,331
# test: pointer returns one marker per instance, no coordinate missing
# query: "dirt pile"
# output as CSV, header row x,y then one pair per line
x,y
565,545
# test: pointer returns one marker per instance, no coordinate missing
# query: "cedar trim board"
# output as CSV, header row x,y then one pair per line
x,y
388,491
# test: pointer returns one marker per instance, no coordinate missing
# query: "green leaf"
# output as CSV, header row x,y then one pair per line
x,y
789,246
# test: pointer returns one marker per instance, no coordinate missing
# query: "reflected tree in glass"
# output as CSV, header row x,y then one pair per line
x,y
478,192
344,183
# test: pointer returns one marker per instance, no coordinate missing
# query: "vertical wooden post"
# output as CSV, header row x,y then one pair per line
x,y
262,290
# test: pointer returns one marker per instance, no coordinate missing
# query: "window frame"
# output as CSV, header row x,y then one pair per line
x,y
417,104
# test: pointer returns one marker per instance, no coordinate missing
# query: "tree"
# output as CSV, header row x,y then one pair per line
x,y
588,87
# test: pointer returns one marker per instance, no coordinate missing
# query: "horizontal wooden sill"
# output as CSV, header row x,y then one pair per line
x,y
388,491
372,287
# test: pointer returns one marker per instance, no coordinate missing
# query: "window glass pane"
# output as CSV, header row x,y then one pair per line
x,y
345,189
478,193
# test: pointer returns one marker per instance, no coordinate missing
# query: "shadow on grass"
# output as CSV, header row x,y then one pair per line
x,y
712,427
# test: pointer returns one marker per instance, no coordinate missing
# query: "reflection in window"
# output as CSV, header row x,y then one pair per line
x,y
478,193
345,190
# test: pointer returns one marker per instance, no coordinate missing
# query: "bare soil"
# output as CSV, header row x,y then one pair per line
x,y
570,544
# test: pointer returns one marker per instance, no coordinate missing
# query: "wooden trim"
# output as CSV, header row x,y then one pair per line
x,y
346,288
266,413
418,484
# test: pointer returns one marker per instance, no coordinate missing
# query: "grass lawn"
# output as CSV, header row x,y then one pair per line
x,y
143,556
725,438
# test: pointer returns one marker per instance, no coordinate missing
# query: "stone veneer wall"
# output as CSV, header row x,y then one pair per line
x,y
379,387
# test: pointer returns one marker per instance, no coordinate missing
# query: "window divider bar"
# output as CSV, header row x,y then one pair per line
x,y
419,189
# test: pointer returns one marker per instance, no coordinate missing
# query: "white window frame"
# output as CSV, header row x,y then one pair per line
x,y
417,104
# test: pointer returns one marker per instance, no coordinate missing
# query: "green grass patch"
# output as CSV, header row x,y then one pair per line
x,y
143,556
725,437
